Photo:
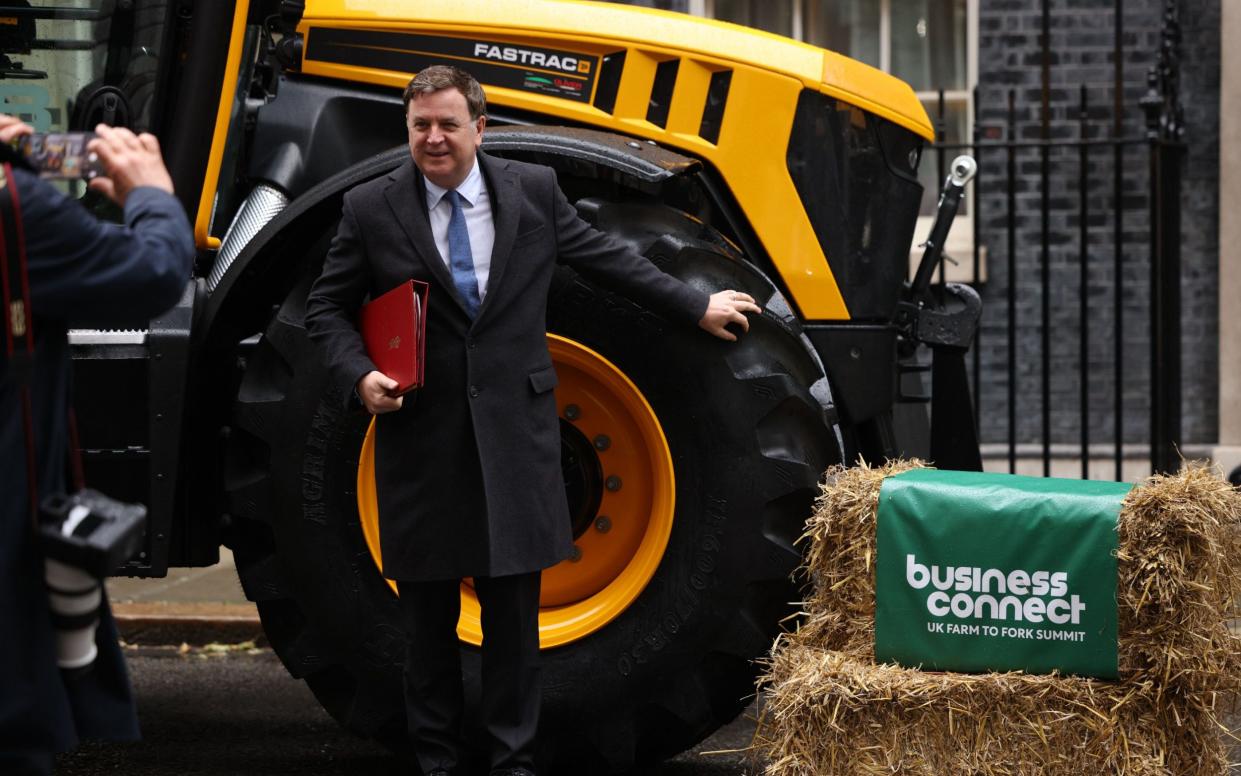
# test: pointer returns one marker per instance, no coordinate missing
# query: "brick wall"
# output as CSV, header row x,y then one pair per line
x,y
1082,52
1082,48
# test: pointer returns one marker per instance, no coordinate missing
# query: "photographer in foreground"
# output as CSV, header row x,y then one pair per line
x,y
78,268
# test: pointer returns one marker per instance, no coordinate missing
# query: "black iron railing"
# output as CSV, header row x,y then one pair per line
x,y
1080,144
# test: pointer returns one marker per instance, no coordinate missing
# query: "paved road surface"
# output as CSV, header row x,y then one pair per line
x,y
237,713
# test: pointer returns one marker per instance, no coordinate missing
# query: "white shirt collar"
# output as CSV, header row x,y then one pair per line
x,y
469,188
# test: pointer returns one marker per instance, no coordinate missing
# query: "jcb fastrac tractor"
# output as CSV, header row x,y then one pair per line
x,y
730,157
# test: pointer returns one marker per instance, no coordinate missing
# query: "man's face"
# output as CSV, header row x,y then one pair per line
x,y
442,138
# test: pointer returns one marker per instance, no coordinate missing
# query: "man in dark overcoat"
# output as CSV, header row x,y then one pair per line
x,y
468,471
79,269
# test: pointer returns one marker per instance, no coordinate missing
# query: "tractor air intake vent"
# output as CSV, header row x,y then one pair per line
x,y
661,92
713,110
609,81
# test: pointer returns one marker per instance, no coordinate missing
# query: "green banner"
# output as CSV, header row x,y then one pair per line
x,y
982,572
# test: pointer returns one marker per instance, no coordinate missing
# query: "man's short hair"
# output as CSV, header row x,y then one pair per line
x,y
439,77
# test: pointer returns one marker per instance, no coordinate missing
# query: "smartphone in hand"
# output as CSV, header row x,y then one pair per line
x,y
60,155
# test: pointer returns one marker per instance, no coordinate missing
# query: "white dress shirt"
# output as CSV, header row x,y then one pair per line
x,y
476,206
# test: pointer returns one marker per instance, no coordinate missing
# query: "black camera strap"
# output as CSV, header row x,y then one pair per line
x,y
18,325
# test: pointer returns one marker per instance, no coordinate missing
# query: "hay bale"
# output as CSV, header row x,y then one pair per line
x,y
839,546
830,710
1177,586
1178,580
827,712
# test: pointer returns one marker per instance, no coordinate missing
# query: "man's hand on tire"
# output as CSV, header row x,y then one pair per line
x,y
728,307
375,390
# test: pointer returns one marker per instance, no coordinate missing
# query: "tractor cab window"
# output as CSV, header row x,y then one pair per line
x,y
857,177
68,65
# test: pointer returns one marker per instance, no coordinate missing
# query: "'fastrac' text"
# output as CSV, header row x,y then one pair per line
x,y
527,57
1017,594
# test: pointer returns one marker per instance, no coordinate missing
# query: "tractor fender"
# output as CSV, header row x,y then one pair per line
x,y
266,267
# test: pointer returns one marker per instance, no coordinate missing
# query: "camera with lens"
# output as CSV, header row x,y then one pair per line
x,y
84,536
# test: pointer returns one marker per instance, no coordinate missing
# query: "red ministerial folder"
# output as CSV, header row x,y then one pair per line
x,y
394,329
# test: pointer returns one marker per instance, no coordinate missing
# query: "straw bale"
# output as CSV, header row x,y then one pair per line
x,y
831,713
1177,586
839,546
1179,582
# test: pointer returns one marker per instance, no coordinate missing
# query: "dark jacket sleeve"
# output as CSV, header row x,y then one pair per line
x,y
334,301
605,260
91,270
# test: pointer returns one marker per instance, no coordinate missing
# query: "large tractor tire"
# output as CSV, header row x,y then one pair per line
x,y
690,464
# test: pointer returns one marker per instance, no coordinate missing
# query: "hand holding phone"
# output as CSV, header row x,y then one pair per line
x,y
61,155
12,128
129,161
113,159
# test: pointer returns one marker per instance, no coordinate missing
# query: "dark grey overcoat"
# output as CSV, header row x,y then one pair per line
x,y
468,470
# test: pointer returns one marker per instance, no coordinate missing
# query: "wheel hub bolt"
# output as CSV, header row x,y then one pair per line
x,y
572,412
613,483
603,524
602,442
576,555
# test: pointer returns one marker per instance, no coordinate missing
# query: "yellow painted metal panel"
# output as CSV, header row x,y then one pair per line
x,y
228,88
635,87
622,26
859,84
693,80
751,157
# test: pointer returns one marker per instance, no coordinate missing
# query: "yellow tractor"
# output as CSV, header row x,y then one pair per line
x,y
731,157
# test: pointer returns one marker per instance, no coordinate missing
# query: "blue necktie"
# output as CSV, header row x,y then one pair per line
x,y
461,258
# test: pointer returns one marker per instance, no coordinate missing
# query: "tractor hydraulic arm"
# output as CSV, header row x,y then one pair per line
x,y
945,318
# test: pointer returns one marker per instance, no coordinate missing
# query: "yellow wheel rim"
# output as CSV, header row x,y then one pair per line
x,y
620,548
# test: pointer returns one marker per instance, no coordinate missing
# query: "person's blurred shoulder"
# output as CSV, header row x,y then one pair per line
x,y
30,184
